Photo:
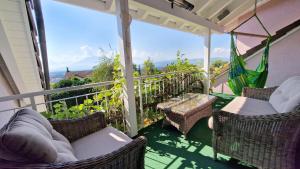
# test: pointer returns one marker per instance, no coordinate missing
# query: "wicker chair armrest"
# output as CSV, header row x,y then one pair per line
x,y
267,125
74,129
258,93
130,156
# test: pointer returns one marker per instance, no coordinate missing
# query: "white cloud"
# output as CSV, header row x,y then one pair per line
x,y
221,52
83,58
139,56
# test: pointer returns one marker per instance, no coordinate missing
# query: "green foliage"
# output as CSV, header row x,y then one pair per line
x,y
110,99
104,70
218,63
149,68
181,65
217,67
69,83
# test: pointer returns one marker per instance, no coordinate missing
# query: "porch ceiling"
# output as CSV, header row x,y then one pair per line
x,y
219,15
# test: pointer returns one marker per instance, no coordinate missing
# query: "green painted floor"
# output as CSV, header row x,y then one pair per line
x,y
167,148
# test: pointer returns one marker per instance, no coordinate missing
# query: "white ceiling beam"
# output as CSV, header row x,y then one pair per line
x,y
236,12
218,8
204,7
198,4
164,6
91,4
232,21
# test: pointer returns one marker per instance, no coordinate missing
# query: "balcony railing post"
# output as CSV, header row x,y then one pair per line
x,y
141,101
123,22
32,103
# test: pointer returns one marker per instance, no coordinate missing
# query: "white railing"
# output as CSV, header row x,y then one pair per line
x,y
149,90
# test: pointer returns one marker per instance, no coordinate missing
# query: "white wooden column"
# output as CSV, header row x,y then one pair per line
x,y
123,21
207,52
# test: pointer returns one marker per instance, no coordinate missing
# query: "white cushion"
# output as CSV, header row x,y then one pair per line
x,y
100,143
287,96
247,106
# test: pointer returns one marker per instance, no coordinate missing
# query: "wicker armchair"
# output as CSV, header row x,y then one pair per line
x,y
129,156
264,141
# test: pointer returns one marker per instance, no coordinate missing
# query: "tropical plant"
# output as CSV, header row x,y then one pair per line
x,y
104,70
149,68
182,64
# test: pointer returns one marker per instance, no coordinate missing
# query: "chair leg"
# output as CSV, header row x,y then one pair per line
x,y
215,155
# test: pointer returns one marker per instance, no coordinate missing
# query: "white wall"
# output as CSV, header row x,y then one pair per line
x,y
5,90
284,62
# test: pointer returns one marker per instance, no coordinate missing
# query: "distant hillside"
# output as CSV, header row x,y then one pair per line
x,y
59,75
193,61
56,76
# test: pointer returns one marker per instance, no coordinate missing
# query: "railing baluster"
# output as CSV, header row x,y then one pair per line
x,y
141,102
163,88
106,105
150,88
32,103
76,99
146,94
159,86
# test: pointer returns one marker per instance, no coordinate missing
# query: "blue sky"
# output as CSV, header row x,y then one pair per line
x,y
78,37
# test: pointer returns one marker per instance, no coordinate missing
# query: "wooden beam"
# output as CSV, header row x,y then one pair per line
x,y
236,11
218,8
250,34
181,13
123,21
207,55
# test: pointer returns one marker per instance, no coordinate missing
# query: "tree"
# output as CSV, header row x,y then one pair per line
x,y
182,64
104,70
218,63
149,68
217,67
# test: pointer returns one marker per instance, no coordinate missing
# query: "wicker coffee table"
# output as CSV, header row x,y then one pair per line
x,y
184,111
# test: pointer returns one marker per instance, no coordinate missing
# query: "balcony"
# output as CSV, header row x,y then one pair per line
x,y
107,97
167,147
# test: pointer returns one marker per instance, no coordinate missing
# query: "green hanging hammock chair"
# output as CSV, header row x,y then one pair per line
x,y
240,77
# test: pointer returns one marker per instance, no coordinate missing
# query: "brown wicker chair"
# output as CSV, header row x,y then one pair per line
x,y
264,141
129,156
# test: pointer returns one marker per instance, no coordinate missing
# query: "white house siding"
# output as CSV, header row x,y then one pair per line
x,y
13,16
5,90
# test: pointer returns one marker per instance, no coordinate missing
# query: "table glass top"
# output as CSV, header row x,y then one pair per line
x,y
186,102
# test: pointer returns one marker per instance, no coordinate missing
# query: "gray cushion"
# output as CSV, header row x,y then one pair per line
x,y
100,143
287,96
29,137
248,107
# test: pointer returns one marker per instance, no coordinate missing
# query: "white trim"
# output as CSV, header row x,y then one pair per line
x,y
164,6
207,55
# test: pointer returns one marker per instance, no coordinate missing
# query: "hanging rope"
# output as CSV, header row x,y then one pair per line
x,y
260,22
